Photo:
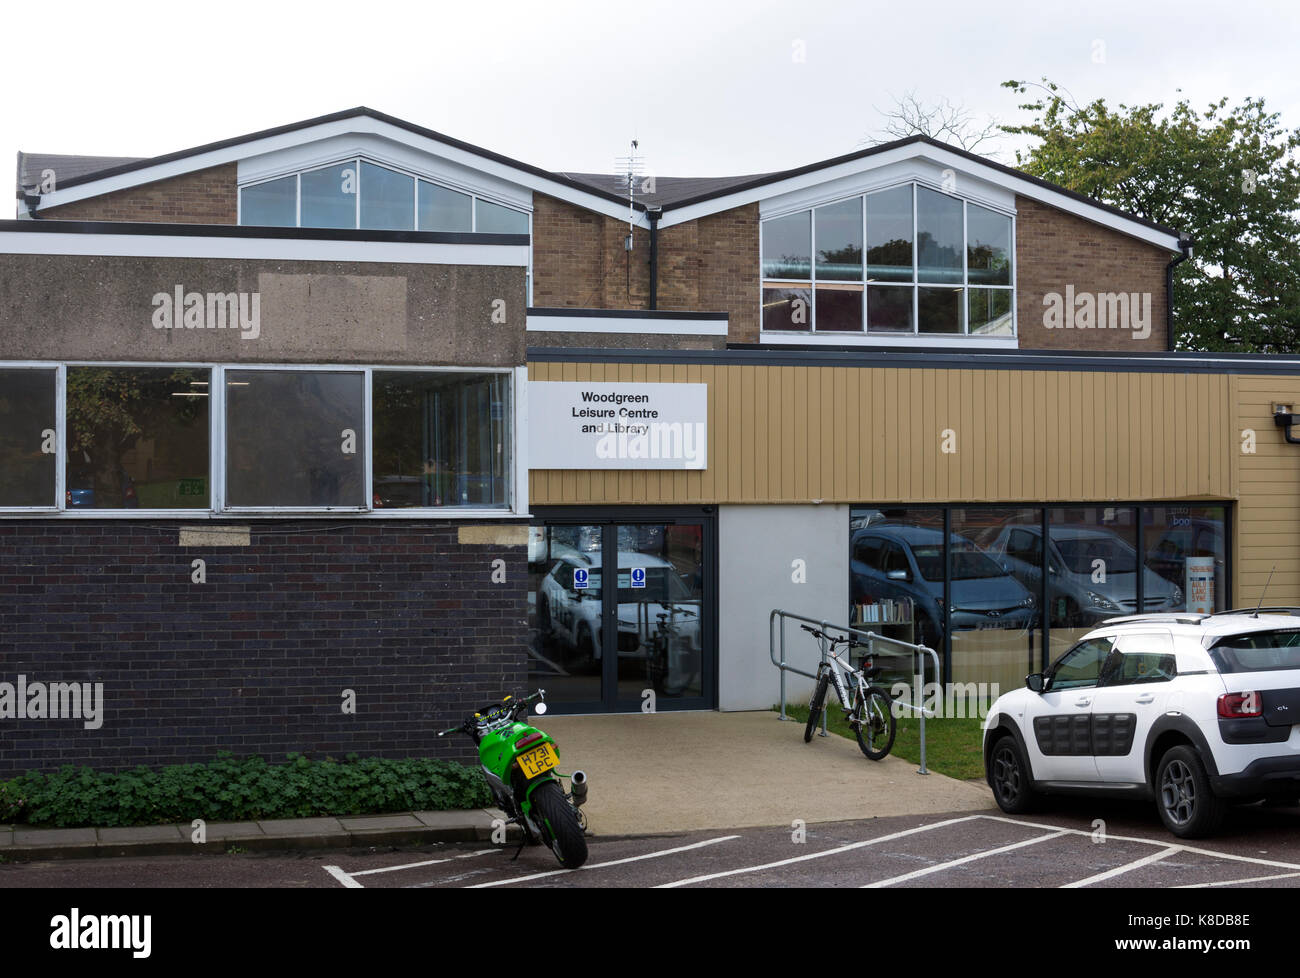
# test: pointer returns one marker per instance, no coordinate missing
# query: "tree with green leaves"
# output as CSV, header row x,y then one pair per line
x,y
1230,178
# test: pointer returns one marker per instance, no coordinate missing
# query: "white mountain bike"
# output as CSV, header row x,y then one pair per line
x,y
867,708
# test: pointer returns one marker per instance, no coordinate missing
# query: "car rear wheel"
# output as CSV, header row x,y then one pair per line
x,y
1186,802
1009,777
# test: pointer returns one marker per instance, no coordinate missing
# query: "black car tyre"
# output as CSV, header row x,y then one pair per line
x,y
815,706
1187,804
558,821
1009,777
876,726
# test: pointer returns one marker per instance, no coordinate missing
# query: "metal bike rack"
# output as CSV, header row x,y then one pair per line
x,y
918,653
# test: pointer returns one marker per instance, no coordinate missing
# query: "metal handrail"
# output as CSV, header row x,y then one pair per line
x,y
917,653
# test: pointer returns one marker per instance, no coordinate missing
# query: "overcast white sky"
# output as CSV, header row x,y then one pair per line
x,y
707,88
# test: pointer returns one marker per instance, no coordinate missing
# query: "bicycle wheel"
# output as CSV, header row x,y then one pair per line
x,y
816,705
874,723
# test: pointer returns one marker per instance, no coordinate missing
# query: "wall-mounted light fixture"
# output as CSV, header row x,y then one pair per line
x,y
1284,419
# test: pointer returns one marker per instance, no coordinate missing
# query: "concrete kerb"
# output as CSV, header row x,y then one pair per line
x,y
404,829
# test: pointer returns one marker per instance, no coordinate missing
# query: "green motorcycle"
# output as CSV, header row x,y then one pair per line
x,y
519,762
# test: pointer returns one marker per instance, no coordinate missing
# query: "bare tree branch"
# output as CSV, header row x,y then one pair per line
x,y
944,121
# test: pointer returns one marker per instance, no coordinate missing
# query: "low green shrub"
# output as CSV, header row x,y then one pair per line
x,y
231,789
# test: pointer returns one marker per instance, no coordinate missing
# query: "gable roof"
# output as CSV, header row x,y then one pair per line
x,y
690,197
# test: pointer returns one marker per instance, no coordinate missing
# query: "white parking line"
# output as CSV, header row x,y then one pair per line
x,y
344,878
815,855
613,862
1155,857
427,862
1253,879
1149,842
957,862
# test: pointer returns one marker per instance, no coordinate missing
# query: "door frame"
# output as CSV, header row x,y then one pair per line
x,y
608,517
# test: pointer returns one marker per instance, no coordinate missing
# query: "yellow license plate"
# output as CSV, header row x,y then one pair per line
x,y
538,760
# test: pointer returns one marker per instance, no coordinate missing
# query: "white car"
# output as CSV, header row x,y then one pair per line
x,y
1193,711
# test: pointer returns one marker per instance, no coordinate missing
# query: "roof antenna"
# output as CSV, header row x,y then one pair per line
x,y
633,165
1265,591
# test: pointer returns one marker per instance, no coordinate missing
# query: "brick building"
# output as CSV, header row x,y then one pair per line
x,y
350,408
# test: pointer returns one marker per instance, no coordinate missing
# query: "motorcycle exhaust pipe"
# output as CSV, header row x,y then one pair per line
x,y
578,784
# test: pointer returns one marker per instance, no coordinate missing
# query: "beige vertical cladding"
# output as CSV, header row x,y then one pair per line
x,y
208,196
707,265
1055,249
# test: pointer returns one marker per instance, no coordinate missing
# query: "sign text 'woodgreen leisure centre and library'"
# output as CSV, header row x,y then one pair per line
x,y
618,426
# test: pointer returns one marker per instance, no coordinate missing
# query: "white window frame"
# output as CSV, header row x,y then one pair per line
x,y
865,336
515,409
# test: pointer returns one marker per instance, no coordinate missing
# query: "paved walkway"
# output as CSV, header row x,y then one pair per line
x,y
677,772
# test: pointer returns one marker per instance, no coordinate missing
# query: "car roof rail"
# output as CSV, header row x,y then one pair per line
x,y
1182,618
1274,610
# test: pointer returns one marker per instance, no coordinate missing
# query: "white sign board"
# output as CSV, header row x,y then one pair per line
x,y
1200,585
617,426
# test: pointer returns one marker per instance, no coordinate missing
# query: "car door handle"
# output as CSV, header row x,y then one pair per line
x,y
1146,698
1083,701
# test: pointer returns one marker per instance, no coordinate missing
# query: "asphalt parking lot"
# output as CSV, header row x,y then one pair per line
x,y
963,850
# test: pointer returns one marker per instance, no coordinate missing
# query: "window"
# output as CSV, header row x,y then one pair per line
x,y
357,193
905,260
295,438
137,438
28,424
1081,666
441,439
1140,658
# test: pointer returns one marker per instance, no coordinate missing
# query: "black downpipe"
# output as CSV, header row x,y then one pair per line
x,y
1185,243
654,213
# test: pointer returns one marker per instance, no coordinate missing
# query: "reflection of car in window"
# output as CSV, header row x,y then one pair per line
x,y
1092,572
889,561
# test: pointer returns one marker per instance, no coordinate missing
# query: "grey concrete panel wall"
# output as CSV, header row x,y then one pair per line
x,y
61,307
757,550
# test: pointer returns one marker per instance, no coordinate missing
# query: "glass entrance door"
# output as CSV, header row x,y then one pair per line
x,y
619,616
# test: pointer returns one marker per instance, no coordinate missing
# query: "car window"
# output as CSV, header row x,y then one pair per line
x,y
868,552
1258,652
1081,666
1024,546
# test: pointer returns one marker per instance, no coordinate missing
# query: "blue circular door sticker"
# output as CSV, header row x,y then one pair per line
x,y
638,577
579,578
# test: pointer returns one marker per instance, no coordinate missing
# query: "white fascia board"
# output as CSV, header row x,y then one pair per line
x,y
273,249
843,175
626,325
351,126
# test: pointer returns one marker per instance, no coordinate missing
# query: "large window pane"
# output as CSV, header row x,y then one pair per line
x,y
889,309
990,312
889,235
988,246
270,204
997,635
137,438
329,196
490,218
441,440
939,310
787,251
839,310
1186,547
387,199
295,438
938,236
787,308
444,210
839,241
27,426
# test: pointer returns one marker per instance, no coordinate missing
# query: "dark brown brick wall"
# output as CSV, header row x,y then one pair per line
x,y
1054,250
208,196
255,661
709,265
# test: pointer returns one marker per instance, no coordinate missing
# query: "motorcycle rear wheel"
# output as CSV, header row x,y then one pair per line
x,y
558,821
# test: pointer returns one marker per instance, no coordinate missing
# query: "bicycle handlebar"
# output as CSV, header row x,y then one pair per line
x,y
848,640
